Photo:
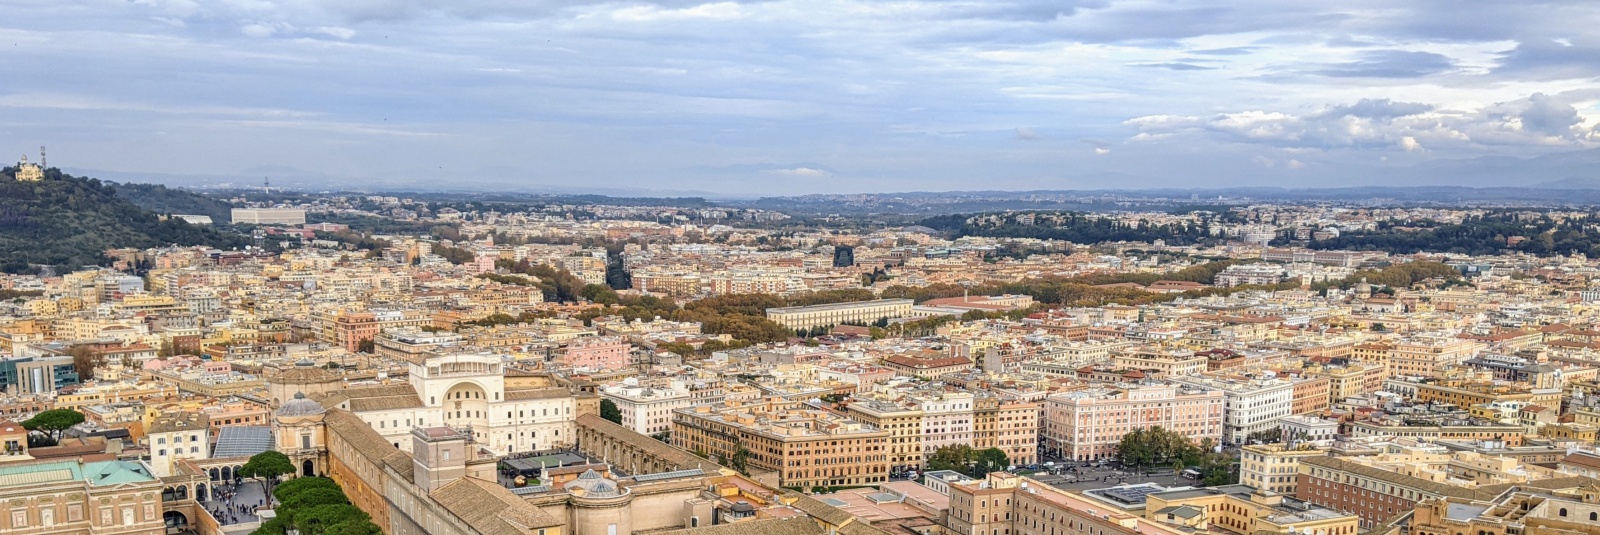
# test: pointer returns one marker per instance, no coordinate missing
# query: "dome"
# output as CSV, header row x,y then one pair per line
x,y
591,484
300,406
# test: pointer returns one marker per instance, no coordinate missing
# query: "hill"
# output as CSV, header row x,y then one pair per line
x,y
66,222
164,200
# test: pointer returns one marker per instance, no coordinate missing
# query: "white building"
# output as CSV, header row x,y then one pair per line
x,y
1308,429
177,436
269,216
648,409
946,419
464,391
1249,406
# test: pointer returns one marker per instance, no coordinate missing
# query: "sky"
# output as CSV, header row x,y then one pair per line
x,y
812,96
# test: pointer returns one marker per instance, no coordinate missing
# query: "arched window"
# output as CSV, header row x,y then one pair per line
x,y
1563,511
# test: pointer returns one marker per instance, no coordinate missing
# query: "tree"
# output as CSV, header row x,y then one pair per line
x,y
53,422
365,527
267,467
599,293
317,520
956,457
311,497
85,360
740,460
290,488
366,345
609,411
989,460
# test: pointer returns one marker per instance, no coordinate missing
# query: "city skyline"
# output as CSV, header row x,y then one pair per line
x,y
786,97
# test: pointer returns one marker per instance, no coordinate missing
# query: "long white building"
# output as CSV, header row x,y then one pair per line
x,y
807,317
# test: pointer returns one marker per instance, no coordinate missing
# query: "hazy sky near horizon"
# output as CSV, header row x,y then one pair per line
x,y
796,96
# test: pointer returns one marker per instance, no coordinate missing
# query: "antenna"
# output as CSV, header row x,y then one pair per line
x,y
266,184
43,164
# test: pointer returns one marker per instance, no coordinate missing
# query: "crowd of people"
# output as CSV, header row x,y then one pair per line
x,y
228,508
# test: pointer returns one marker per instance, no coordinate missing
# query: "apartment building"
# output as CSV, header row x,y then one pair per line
x,y
864,312
904,424
1170,363
1089,424
1425,355
946,419
805,447
1274,467
1251,406
597,353
647,408
1012,426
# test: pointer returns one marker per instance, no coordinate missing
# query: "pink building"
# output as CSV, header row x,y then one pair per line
x,y
597,353
484,263
1088,424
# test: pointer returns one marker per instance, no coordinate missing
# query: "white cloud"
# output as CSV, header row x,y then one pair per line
x,y
1101,151
802,172
1294,164
1027,134
1410,144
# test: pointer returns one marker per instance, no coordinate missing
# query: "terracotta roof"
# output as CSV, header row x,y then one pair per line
x,y
795,525
537,393
834,516
491,509
372,398
1582,459
361,436
679,458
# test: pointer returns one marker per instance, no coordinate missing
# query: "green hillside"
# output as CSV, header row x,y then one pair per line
x,y
68,222
164,200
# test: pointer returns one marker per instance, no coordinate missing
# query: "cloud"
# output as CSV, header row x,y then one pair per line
x,y
1377,109
1228,51
1549,116
1101,151
1389,64
1026,134
801,172
1294,164
1175,66
1537,120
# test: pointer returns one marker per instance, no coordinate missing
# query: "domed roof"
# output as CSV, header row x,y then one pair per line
x,y
300,406
591,484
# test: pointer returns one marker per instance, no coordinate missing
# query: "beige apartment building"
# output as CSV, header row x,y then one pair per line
x,y
1008,425
904,425
1422,356
807,317
1274,467
1172,363
805,447
1089,424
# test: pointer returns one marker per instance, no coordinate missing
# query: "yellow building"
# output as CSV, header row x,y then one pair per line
x,y
29,172
1583,433
1273,467
1241,509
